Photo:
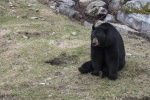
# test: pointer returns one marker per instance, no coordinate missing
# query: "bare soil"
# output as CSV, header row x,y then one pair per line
x,y
62,59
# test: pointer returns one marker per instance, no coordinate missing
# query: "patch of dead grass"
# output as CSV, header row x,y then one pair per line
x,y
24,75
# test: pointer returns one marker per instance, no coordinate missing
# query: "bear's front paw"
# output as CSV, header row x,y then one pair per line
x,y
104,75
113,77
95,73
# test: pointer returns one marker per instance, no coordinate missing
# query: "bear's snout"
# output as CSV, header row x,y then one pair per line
x,y
95,42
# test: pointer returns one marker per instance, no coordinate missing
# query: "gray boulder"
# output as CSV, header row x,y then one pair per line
x,y
87,24
68,3
66,10
110,18
139,22
121,28
137,6
114,6
136,15
65,7
85,3
96,8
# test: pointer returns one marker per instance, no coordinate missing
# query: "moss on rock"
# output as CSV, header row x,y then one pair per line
x,y
143,10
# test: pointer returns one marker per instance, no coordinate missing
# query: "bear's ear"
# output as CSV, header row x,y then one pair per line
x,y
93,27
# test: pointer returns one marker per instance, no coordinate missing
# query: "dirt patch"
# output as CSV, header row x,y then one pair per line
x,y
3,46
6,96
34,34
27,35
62,59
136,98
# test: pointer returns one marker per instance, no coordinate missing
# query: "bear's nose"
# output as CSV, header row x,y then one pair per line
x,y
94,44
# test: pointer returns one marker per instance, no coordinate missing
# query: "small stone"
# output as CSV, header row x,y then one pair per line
x,y
87,24
73,33
13,11
53,7
25,37
42,83
47,79
18,16
33,17
128,54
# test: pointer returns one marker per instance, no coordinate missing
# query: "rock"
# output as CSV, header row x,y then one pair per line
x,y
85,3
42,83
114,6
128,54
39,18
52,7
34,18
25,37
66,10
76,2
18,16
121,28
137,6
131,5
139,22
73,33
110,18
77,16
2,8
68,3
136,15
96,8
143,2
87,24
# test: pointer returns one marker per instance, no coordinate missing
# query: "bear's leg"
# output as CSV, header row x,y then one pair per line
x,y
104,71
86,67
96,68
112,61
97,57
121,64
113,70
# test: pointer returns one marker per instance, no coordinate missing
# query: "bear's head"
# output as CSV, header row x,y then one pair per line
x,y
98,36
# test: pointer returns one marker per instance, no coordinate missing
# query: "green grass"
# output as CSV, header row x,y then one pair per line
x,y
24,75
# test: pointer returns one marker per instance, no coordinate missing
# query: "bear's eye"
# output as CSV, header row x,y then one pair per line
x,y
93,36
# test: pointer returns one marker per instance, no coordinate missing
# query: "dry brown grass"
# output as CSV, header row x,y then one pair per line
x,y
25,75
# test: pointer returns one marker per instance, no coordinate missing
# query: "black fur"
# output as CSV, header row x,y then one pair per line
x,y
108,56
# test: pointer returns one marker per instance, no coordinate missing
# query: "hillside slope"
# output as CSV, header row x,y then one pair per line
x,y
39,59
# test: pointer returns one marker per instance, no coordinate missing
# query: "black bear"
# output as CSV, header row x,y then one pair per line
x,y
107,52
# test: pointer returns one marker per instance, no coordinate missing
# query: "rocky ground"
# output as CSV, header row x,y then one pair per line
x,y
40,52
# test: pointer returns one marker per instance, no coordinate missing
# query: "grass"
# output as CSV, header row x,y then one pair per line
x,y
24,75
